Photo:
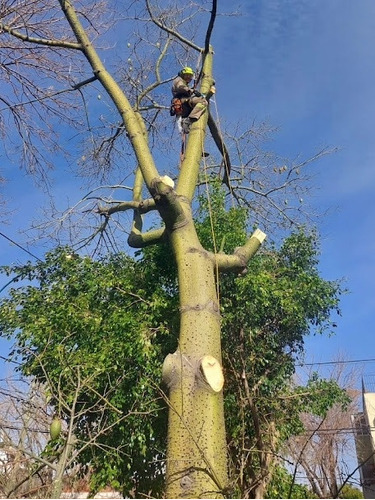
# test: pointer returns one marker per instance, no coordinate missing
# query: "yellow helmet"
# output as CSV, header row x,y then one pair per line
x,y
187,71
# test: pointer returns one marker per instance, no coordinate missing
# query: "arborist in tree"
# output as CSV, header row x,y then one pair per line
x,y
187,102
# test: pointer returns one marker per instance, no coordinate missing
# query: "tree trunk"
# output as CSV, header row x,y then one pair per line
x,y
196,458
57,483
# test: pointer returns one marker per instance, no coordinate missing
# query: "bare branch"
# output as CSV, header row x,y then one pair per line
x,y
170,31
39,41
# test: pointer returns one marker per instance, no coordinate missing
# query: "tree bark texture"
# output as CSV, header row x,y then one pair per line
x,y
197,465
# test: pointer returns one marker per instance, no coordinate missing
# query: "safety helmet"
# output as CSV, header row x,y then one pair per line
x,y
187,71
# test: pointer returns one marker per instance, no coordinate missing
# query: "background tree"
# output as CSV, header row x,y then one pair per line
x,y
349,491
40,451
321,451
266,315
24,433
87,335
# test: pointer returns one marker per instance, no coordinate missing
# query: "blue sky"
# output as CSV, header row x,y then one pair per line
x,y
308,67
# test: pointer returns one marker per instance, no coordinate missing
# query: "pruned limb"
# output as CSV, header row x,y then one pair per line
x,y
168,203
212,372
137,239
217,137
169,206
143,207
160,186
238,260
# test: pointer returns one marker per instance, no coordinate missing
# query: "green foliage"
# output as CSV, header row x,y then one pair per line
x,y
349,491
322,395
265,317
220,228
96,333
281,486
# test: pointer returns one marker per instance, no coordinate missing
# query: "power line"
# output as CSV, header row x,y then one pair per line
x,y
368,360
19,246
24,250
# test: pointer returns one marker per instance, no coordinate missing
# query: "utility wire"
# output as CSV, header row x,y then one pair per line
x,y
23,249
368,360
19,246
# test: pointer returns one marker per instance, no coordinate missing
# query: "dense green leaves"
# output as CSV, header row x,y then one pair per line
x,y
266,315
96,333
91,332
282,486
349,491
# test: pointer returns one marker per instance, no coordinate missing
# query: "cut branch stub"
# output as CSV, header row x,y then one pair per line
x,y
212,372
167,180
172,369
168,203
162,185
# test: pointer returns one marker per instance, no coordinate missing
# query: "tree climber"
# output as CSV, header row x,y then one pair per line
x,y
187,102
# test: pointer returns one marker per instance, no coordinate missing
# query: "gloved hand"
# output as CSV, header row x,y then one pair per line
x,y
197,93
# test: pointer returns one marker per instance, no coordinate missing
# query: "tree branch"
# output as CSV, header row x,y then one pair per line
x,y
40,41
172,32
158,82
138,239
239,259
208,38
129,117
143,207
219,141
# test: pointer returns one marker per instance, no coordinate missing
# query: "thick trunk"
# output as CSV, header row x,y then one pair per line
x,y
196,460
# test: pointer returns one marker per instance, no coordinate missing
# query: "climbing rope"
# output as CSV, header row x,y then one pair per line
x,y
210,212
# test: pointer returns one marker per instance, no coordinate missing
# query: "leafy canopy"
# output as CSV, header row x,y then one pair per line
x,y
102,325
110,322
